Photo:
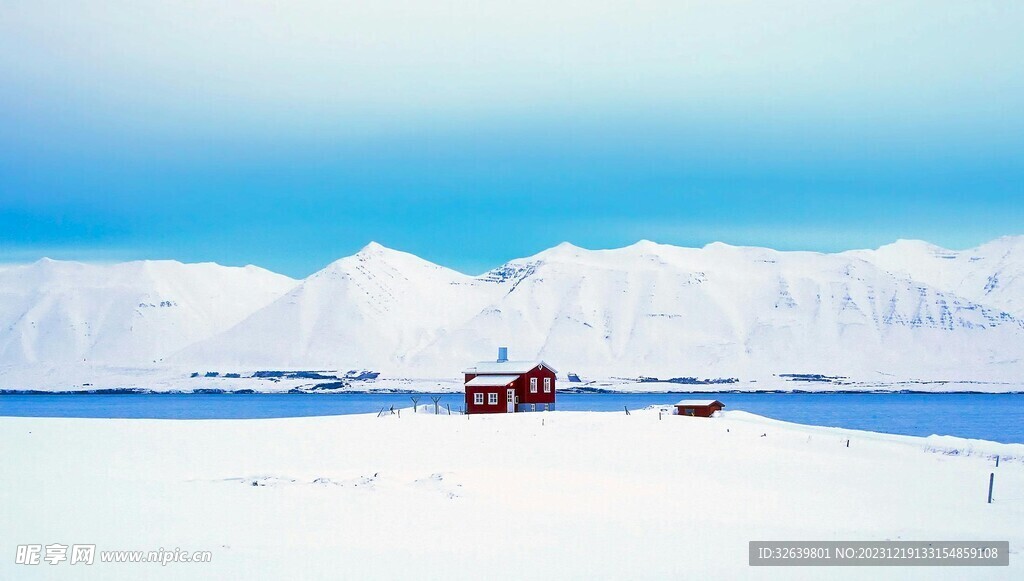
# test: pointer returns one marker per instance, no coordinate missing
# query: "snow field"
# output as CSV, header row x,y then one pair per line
x,y
548,495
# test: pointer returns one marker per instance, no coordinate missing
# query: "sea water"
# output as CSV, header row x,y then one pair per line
x,y
995,417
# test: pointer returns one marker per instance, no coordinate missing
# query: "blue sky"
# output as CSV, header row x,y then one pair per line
x,y
290,134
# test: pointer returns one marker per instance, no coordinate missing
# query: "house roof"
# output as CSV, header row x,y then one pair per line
x,y
505,367
699,402
491,380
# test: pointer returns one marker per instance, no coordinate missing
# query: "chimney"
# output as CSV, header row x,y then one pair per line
x,y
502,354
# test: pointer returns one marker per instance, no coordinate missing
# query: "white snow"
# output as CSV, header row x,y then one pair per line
x,y
556,495
376,306
908,312
991,274
55,313
491,380
695,402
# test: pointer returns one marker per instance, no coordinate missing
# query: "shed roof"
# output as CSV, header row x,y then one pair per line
x,y
505,367
698,402
491,380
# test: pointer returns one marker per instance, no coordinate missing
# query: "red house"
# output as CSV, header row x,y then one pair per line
x,y
503,386
701,408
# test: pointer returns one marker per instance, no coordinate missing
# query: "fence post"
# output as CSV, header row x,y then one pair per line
x,y
991,481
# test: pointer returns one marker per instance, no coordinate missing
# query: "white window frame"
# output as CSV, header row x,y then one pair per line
x,y
547,385
478,398
533,385
492,398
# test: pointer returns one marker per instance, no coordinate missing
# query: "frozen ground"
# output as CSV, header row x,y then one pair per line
x,y
553,496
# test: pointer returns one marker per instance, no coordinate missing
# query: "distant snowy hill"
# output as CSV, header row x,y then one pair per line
x,y
134,313
907,311
647,309
992,273
373,309
728,311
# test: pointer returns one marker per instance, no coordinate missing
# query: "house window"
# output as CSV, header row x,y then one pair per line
x,y
533,407
478,398
492,399
688,411
533,385
547,385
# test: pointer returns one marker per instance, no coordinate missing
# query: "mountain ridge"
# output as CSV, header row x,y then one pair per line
x,y
617,311
909,309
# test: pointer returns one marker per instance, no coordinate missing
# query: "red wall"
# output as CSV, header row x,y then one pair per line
x,y
522,386
700,411
473,408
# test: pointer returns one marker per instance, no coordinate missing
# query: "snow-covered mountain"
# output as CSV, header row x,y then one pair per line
x,y
902,312
992,273
372,309
728,311
645,309
134,313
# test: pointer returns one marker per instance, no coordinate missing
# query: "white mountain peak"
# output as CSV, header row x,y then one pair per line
x,y
373,248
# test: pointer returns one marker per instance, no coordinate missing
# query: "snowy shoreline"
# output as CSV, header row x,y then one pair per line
x,y
127,380
144,391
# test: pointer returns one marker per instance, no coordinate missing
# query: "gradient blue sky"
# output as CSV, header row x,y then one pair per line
x,y
288,134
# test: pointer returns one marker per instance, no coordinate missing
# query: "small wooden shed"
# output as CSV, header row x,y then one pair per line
x,y
700,408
